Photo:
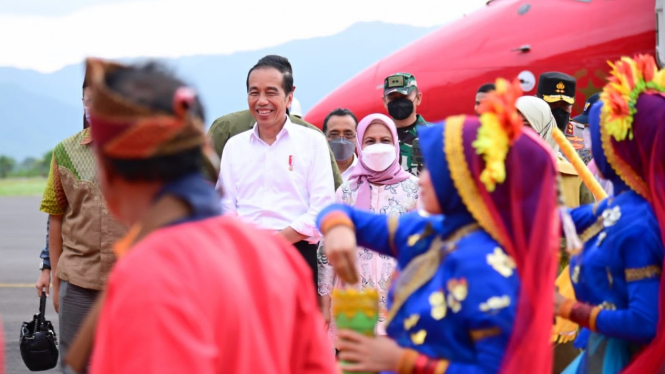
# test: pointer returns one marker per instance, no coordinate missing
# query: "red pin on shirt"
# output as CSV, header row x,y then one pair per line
x,y
290,162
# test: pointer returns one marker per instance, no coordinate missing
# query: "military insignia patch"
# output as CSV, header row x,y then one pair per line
x,y
396,81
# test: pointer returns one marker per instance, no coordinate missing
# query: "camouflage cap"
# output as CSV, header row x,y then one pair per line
x,y
403,83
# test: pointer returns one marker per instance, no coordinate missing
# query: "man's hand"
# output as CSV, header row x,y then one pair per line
x,y
56,294
55,250
44,281
292,235
340,246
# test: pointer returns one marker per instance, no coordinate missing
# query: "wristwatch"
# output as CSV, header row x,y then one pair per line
x,y
43,266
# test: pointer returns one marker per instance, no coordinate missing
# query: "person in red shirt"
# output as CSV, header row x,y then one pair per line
x,y
192,291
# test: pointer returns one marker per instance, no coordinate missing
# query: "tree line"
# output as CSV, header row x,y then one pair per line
x,y
29,167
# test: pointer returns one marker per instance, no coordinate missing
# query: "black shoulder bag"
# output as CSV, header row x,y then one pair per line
x,y
38,342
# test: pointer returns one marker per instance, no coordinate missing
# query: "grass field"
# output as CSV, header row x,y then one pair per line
x,y
22,186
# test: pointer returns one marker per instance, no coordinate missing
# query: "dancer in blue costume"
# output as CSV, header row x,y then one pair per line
x,y
468,295
616,277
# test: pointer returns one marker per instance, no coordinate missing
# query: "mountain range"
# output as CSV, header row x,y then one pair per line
x,y
38,110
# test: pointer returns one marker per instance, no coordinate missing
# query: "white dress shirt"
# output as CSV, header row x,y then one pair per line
x,y
347,173
275,186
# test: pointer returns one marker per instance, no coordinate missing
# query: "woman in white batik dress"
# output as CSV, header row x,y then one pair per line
x,y
379,185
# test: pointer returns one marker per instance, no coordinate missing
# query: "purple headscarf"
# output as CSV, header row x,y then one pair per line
x,y
362,175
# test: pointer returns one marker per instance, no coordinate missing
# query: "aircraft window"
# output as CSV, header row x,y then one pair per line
x,y
523,9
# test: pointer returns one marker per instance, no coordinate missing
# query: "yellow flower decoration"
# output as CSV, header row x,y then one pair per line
x,y
454,304
501,262
458,289
411,321
629,78
500,125
495,303
438,302
418,338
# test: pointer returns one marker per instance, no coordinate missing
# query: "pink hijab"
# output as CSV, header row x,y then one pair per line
x,y
362,176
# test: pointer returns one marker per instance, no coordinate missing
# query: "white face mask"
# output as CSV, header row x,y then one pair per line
x,y
586,135
379,156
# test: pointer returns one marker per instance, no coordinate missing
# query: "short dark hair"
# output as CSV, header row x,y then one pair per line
x,y
487,87
341,112
282,65
153,85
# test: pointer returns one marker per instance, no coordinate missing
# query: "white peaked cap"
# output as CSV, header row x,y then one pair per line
x,y
296,109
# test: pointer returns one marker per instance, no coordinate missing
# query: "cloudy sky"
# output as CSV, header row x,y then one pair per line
x,y
46,35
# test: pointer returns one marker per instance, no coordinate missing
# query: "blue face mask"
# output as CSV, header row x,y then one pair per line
x,y
342,148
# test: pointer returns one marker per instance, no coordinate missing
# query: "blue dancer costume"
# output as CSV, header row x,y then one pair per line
x,y
455,304
616,277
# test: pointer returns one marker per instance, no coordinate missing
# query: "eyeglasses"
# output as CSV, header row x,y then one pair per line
x,y
85,101
337,136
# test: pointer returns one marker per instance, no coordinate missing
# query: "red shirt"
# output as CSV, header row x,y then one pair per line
x,y
213,296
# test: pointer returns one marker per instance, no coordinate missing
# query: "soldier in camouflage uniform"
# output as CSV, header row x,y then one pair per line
x,y
558,90
401,98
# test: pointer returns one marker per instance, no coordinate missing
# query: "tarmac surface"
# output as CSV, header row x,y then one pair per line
x,y
22,237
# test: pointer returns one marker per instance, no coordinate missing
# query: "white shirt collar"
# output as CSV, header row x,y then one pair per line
x,y
285,130
355,160
347,173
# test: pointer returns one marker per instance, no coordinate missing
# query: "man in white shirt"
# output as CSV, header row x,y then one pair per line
x,y
340,128
277,175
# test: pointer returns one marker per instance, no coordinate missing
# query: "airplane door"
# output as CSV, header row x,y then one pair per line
x,y
660,32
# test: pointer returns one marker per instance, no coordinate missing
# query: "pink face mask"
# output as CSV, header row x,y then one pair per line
x,y
379,156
